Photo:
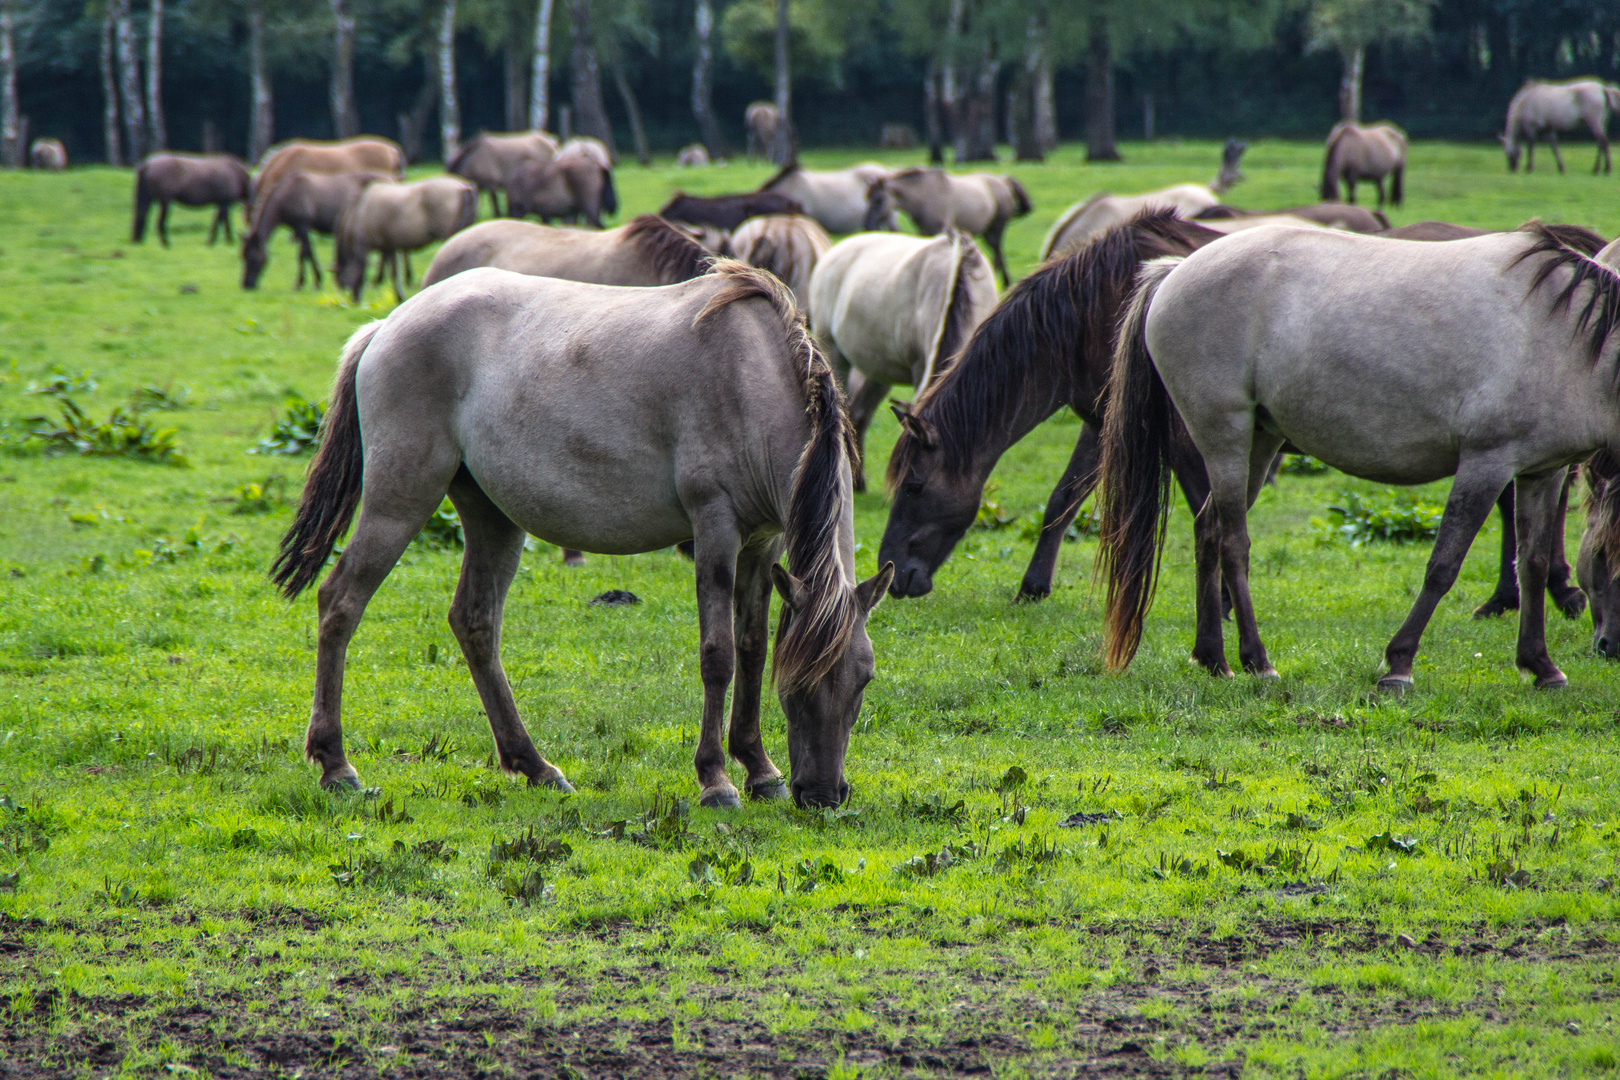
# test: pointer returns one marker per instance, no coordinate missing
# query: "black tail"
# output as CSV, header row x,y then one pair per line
x,y
1395,189
143,205
332,490
1138,438
1330,182
610,196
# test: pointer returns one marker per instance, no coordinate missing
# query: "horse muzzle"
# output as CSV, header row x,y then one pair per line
x,y
911,582
812,796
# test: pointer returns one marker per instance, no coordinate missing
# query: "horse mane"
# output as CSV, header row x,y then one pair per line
x,y
1573,247
952,333
674,255
808,641
1601,471
1026,355
781,174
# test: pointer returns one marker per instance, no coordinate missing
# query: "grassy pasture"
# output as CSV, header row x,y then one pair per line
x,y
1298,879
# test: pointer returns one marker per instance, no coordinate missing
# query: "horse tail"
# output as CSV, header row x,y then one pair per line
x,y
467,213
143,204
332,490
459,159
1611,97
1602,475
1134,474
1381,218
610,194
1021,203
1330,182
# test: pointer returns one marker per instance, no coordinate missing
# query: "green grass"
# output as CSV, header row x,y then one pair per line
x,y
186,899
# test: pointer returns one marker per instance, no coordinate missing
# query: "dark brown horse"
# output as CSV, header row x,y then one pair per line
x,y
1049,344
217,180
305,203
727,211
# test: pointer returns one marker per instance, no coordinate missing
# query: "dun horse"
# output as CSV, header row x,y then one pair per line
x,y
761,119
837,200
488,160
618,421
569,187
217,180
48,155
978,204
1356,152
1253,342
645,253
889,308
305,203
1083,222
788,245
368,153
390,218
1543,109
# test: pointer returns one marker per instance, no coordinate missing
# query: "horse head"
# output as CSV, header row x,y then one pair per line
x,y
254,257
933,507
1595,567
1511,148
879,207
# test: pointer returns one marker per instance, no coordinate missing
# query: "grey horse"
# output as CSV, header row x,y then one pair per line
x,y
617,421
1254,341
1544,109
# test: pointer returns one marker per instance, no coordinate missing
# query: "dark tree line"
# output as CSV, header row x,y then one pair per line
x,y
118,78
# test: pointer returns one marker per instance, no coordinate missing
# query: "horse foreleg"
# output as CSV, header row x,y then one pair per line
x,y
1536,500
1209,645
213,228
494,203
715,547
751,611
1506,596
992,236
866,397
1569,598
1602,160
382,267
163,222
408,275
225,217
1078,480
393,276
1230,482
1552,142
1379,184
1350,188
1473,493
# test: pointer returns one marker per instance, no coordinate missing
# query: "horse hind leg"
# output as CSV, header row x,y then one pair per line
x,y
1568,597
1209,646
1230,481
163,222
1506,596
1474,491
1536,504
1078,480
494,550
716,546
1552,142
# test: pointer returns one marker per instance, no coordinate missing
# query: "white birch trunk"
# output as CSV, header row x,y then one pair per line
x,y
129,85
262,124
449,107
540,81
156,126
11,148
109,90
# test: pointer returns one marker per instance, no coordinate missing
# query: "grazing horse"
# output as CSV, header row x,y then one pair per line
x,y
1049,344
1331,215
48,155
488,160
1546,108
1231,172
618,421
367,153
836,199
889,308
1253,341
1596,563
788,245
391,217
726,212
217,180
647,252
761,120
1357,152
693,156
566,188
586,146
1085,221
978,204
305,203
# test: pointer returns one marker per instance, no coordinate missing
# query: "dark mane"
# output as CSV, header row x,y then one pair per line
x,y
781,174
674,255
1572,247
1022,363
809,640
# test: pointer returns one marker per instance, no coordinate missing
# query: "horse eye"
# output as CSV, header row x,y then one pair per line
x,y
912,487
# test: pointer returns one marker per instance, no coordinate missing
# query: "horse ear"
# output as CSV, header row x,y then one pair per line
x,y
916,426
788,587
870,592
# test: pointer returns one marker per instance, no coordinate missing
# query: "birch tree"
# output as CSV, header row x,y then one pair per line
x,y
11,149
702,80
261,121
540,78
449,105
109,87
1349,27
345,118
156,127
129,84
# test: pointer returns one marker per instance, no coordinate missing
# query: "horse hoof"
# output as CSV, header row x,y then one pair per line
x,y
1555,681
721,799
1268,672
1496,606
341,781
1032,595
573,558
768,790
559,782
1574,605
1395,684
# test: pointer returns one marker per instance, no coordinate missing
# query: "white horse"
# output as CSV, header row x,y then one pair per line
x,y
1545,109
1085,221
892,309
836,199
788,245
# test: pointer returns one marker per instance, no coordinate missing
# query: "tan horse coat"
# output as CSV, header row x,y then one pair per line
x,y
489,160
368,153
1364,152
1545,109
645,253
788,245
391,217
978,204
1085,221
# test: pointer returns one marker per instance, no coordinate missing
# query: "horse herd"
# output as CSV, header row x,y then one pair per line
x,y
682,380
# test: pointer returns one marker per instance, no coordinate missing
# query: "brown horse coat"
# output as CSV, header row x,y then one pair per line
x,y
368,153
390,217
217,180
48,155
305,203
645,253
567,187
487,160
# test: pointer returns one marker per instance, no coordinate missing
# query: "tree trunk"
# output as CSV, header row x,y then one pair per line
x,y
157,128
1046,131
590,114
702,86
632,109
932,127
413,124
109,89
262,123
1100,95
449,105
782,147
1350,84
1021,118
129,85
11,136
950,91
981,125
540,77
345,120
517,92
